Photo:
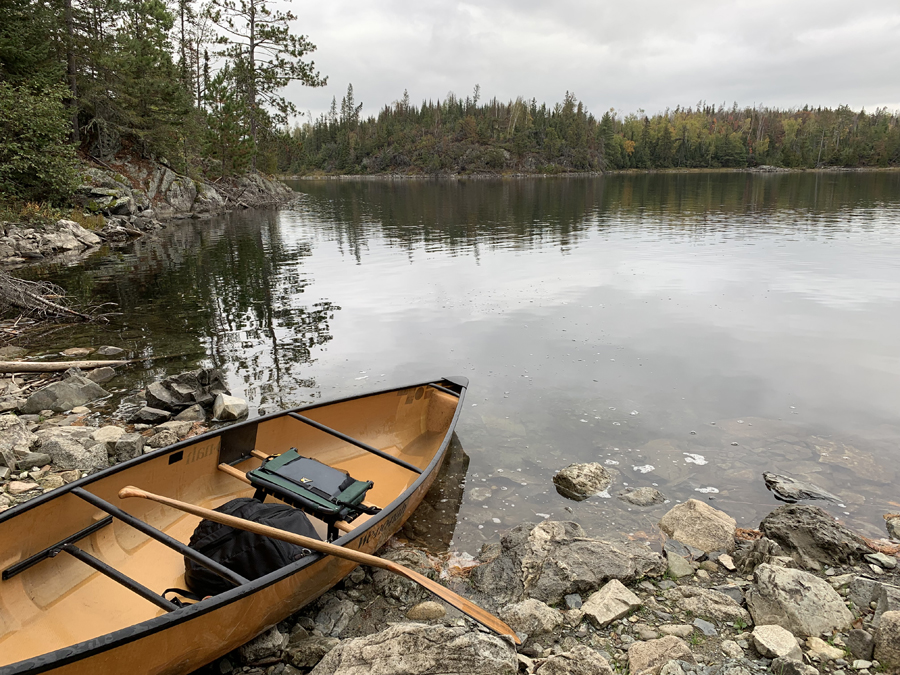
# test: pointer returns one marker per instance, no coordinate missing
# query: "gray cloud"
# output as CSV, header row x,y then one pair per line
x,y
644,54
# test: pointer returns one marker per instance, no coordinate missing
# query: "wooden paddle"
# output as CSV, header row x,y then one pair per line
x,y
480,615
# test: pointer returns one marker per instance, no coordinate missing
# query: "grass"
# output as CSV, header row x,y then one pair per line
x,y
695,639
29,213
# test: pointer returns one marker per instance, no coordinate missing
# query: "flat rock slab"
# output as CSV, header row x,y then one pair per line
x,y
797,601
642,496
708,604
421,648
773,641
792,490
611,602
697,524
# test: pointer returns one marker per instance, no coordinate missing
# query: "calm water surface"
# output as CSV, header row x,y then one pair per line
x,y
688,331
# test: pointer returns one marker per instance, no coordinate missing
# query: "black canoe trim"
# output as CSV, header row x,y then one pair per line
x,y
444,389
76,652
352,441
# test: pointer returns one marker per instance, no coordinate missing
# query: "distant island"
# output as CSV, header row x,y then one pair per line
x,y
468,136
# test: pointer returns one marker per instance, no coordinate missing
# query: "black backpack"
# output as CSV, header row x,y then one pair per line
x,y
250,555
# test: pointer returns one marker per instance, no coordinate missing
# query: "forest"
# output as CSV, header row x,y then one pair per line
x,y
464,135
199,88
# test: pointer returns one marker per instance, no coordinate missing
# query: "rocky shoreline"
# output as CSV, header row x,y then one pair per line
x,y
130,198
799,594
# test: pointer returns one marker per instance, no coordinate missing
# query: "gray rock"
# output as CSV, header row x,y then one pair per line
x,y
554,559
821,650
774,641
5,473
705,627
31,460
421,648
197,387
73,391
861,644
129,446
698,524
731,649
678,567
887,641
101,375
162,438
108,435
108,350
642,496
390,585
70,454
790,489
732,591
708,604
532,617
573,601
580,660
193,414
887,599
15,440
426,611
887,562
227,408
863,590
611,602
306,653
892,523
786,666
580,481
263,646
796,600
813,537
750,556
149,415
678,630
335,616
650,656
178,427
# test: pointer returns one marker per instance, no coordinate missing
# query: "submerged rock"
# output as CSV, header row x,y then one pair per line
x,y
789,489
580,481
643,496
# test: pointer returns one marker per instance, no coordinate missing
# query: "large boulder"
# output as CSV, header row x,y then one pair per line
x,y
70,454
707,603
812,536
532,617
15,440
580,481
197,387
796,600
580,660
554,559
646,658
73,391
699,525
887,641
421,648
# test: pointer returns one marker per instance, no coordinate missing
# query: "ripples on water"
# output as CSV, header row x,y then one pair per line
x,y
640,321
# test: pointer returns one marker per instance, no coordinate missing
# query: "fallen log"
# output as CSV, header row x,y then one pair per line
x,y
56,366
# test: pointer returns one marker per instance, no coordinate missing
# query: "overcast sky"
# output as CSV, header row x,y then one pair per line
x,y
626,54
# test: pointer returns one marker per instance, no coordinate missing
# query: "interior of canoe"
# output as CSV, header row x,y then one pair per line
x,y
60,600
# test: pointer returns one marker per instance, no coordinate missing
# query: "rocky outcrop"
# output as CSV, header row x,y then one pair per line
x,y
420,648
812,537
20,243
554,559
74,390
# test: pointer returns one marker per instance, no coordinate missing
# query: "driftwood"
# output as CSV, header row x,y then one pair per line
x,y
33,297
56,366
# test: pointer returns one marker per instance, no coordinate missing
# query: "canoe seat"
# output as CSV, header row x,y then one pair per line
x,y
327,493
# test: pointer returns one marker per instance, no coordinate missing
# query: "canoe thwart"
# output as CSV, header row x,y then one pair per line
x,y
353,441
118,577
52,551
160,536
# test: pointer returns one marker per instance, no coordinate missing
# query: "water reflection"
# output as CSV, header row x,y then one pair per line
x,y
687,331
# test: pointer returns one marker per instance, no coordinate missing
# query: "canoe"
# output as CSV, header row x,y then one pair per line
x,y
83,572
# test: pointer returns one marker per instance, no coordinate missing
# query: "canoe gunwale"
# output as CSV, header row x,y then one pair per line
x,y
87,648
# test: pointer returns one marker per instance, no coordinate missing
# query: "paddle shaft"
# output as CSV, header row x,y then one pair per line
x,y
467,607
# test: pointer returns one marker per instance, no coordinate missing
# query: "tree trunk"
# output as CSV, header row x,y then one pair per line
x,y
70,68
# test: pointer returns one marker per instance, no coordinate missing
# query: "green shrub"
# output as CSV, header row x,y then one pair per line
x,y
37,163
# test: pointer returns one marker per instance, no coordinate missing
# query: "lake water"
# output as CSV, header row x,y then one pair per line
x,y
688,331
